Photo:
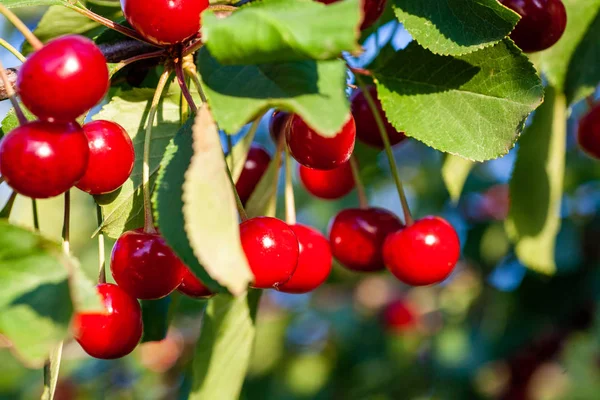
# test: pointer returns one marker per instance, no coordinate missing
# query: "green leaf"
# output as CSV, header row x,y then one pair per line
x,y
455,172
29,3
561,63
52,371
283,30
209,209
123,209
11,121
473,106
7,208
155,317
537,184
313,89
224,348
83,290
455,27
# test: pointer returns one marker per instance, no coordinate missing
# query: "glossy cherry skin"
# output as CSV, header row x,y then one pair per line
x,y
191,286
366,126
255,166
542,23
372,11
357,235
64,79
314,261
314,151
277,124
272,250
328,185
163,22
114,333
145,266
588,133
423,253
111,157
399,317
42,159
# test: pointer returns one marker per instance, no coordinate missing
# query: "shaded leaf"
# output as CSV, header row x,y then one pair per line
x,y
155,317
455,172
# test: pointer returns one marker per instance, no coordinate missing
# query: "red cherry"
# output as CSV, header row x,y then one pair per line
x,y
192,286
366,127
588,134
111,157
114,333
272,250
314,261
277,124
399,317
314,151
329,185
373,9
144,265
357,235
255,166
423,253
165,22
542,23
63,79
42,159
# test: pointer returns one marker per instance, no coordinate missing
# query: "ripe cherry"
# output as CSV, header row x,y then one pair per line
x,y
114,333
271,248
423,253
111,157
42,159
144,265
329,185
277,124
372,11
192,286
399,317
366,126
542,23
314,261
63,79
357,236
255,166
314,151
165,22
588,134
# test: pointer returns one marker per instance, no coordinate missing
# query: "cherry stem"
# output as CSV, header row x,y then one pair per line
x,y
66,233
10,92
408,220
13,51
21,27
360,188
192,48
238,201
184,88
148,219
359,71
230,150
192,74
290,203
101,254
36,218
133,59
106,22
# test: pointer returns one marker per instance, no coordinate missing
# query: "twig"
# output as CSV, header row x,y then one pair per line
x,y
10,93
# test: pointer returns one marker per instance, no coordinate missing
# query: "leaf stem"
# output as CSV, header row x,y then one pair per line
x,y
66,233
184,88
21,27
133,59
192,74
148,219
101,254
408,220
290,203
36,219
360,188
51,369
13,51
12,95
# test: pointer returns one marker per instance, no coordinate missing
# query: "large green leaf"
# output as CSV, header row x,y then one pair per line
x,y
123,210
473,106
283,30
563,63
455,27
29,3
313,89
536,186
211,220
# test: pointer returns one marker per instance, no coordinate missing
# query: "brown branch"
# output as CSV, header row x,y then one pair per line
x,y
12,78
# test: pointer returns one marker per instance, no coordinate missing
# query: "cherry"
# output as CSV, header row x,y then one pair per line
x,y
399,317
144,265
165,22
366,126
588,134
357,235
42,159
314,261
272,250
63,79
314,151
328,185
111,157
542,23
114,333
192,286
277,124
255,166
423,253
372,11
